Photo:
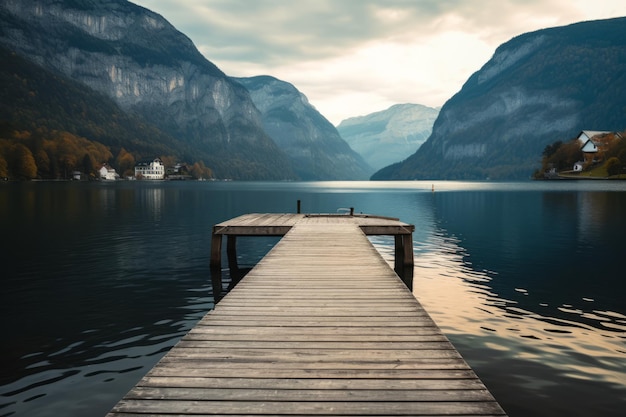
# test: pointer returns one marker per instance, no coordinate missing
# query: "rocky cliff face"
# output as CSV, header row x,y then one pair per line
x,y
391,135
538,88
137,58
314,146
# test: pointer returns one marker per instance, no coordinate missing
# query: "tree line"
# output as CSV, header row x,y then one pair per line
x,y
55,154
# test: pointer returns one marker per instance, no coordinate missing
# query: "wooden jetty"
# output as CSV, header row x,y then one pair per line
x,y
280,224
321,326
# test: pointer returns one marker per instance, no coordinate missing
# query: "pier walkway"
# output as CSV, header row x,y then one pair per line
x,y
321,326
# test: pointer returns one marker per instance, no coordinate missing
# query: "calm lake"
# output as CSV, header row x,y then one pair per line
x,y
526,279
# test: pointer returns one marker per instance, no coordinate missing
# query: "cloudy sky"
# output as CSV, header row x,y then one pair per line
x,y
354,57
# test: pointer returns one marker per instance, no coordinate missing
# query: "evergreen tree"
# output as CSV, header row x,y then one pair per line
x,y
87,165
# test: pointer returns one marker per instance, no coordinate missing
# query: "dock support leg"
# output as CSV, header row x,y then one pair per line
x,y
231,251
216,251
216,284
399,253
403,262
407,246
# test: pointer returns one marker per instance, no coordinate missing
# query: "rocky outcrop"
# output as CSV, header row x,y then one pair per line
x,y
313,144
149,68
391,135
538,88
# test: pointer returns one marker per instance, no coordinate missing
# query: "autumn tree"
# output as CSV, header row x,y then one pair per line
x,y
125,162
4,167
617,148
562,156
23,165
43,162
199,170
68,152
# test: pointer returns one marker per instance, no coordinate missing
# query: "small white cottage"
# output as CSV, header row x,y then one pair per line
x,y
107,173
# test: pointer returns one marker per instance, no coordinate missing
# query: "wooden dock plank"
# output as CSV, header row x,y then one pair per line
x,y
396,364
321,326
260,394
314,406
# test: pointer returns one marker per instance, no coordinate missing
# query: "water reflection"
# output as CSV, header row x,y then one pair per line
x,y
509,280
100,282
100,279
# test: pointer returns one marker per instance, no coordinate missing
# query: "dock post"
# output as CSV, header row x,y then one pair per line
x,y
407,245
216,284
398,253
231,251
216,251
403,262
299,204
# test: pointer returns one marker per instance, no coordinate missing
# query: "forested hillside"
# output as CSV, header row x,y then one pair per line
x,y
60,126
117,73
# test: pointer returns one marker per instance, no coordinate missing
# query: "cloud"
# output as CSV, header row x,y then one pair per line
x,y
357,56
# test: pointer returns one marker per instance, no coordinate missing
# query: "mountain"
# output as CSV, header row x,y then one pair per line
x,y
151,71
391,135
316,149
537,88
32,98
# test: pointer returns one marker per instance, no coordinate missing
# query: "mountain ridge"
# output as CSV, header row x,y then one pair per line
x,y
313,144
537,88
389,135
138,59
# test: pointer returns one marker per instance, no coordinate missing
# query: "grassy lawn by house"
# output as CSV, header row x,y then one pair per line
x,y
596,173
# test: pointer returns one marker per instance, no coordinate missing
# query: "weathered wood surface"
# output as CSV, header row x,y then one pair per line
x,y
279,224
321,326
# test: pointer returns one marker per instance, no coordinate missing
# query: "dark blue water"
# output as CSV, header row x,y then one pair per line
x,y
99,280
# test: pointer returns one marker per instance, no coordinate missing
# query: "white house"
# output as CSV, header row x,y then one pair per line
x,y
108,173
594,144
586,135
150,169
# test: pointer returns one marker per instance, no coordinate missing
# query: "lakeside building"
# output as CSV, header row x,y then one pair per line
x,y
107,173
593,146
150,169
